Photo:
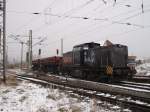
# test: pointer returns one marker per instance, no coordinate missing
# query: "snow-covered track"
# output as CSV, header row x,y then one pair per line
x,y
138,107
97,90
145,86
95,86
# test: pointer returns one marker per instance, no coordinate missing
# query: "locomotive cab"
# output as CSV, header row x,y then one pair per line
x,y
80,52
100,62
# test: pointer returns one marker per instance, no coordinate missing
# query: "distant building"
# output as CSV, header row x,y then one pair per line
x,y
132,61
138,62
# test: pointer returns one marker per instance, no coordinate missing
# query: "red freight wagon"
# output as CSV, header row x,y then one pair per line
x,y
50,64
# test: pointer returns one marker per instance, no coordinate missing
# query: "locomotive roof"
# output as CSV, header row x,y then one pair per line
x,y
89,43
97,44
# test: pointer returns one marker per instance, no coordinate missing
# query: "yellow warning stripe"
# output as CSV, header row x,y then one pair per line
x,y
109,70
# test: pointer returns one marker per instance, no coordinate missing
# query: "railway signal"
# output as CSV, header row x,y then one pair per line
x,y
21,55
57,52
61,46
39,52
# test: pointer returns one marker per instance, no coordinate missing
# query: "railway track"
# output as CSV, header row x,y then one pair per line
x,y
145,86
141,79
137,107
126,102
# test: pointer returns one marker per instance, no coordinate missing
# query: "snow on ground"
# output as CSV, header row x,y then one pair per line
x,y
29,97
143,69
17,71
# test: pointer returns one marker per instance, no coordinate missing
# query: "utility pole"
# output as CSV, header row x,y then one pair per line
x,y
28,54
3,14
30,50
0,39
21,55
61,68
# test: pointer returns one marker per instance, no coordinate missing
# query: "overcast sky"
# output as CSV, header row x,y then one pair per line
x,y
122,22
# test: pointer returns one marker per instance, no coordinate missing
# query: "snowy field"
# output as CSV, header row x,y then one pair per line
x,y
143,70
28,97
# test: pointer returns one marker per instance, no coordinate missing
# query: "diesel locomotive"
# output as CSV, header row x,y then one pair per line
x,y
90,61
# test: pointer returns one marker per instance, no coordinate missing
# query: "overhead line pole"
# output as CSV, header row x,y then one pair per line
x,y
31,49
4,41
0,40
29,52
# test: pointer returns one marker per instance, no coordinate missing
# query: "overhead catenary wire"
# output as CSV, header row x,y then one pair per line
x,y
14,37
84,18
36,13
87,19
116,4
104,26
109,25
123,23
101,19
33,19
79,17
130,11
67,13
129,24
64,14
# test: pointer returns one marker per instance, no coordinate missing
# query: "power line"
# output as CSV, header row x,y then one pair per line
x,y
120,23
141,26
88,18
101,19
32,19
85,18
116,4
56,15
125,14
39,42
130,11
63,14
38,13
137,14
112,23
68,13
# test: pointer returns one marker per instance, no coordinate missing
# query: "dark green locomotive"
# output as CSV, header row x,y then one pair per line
x,y
90,61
